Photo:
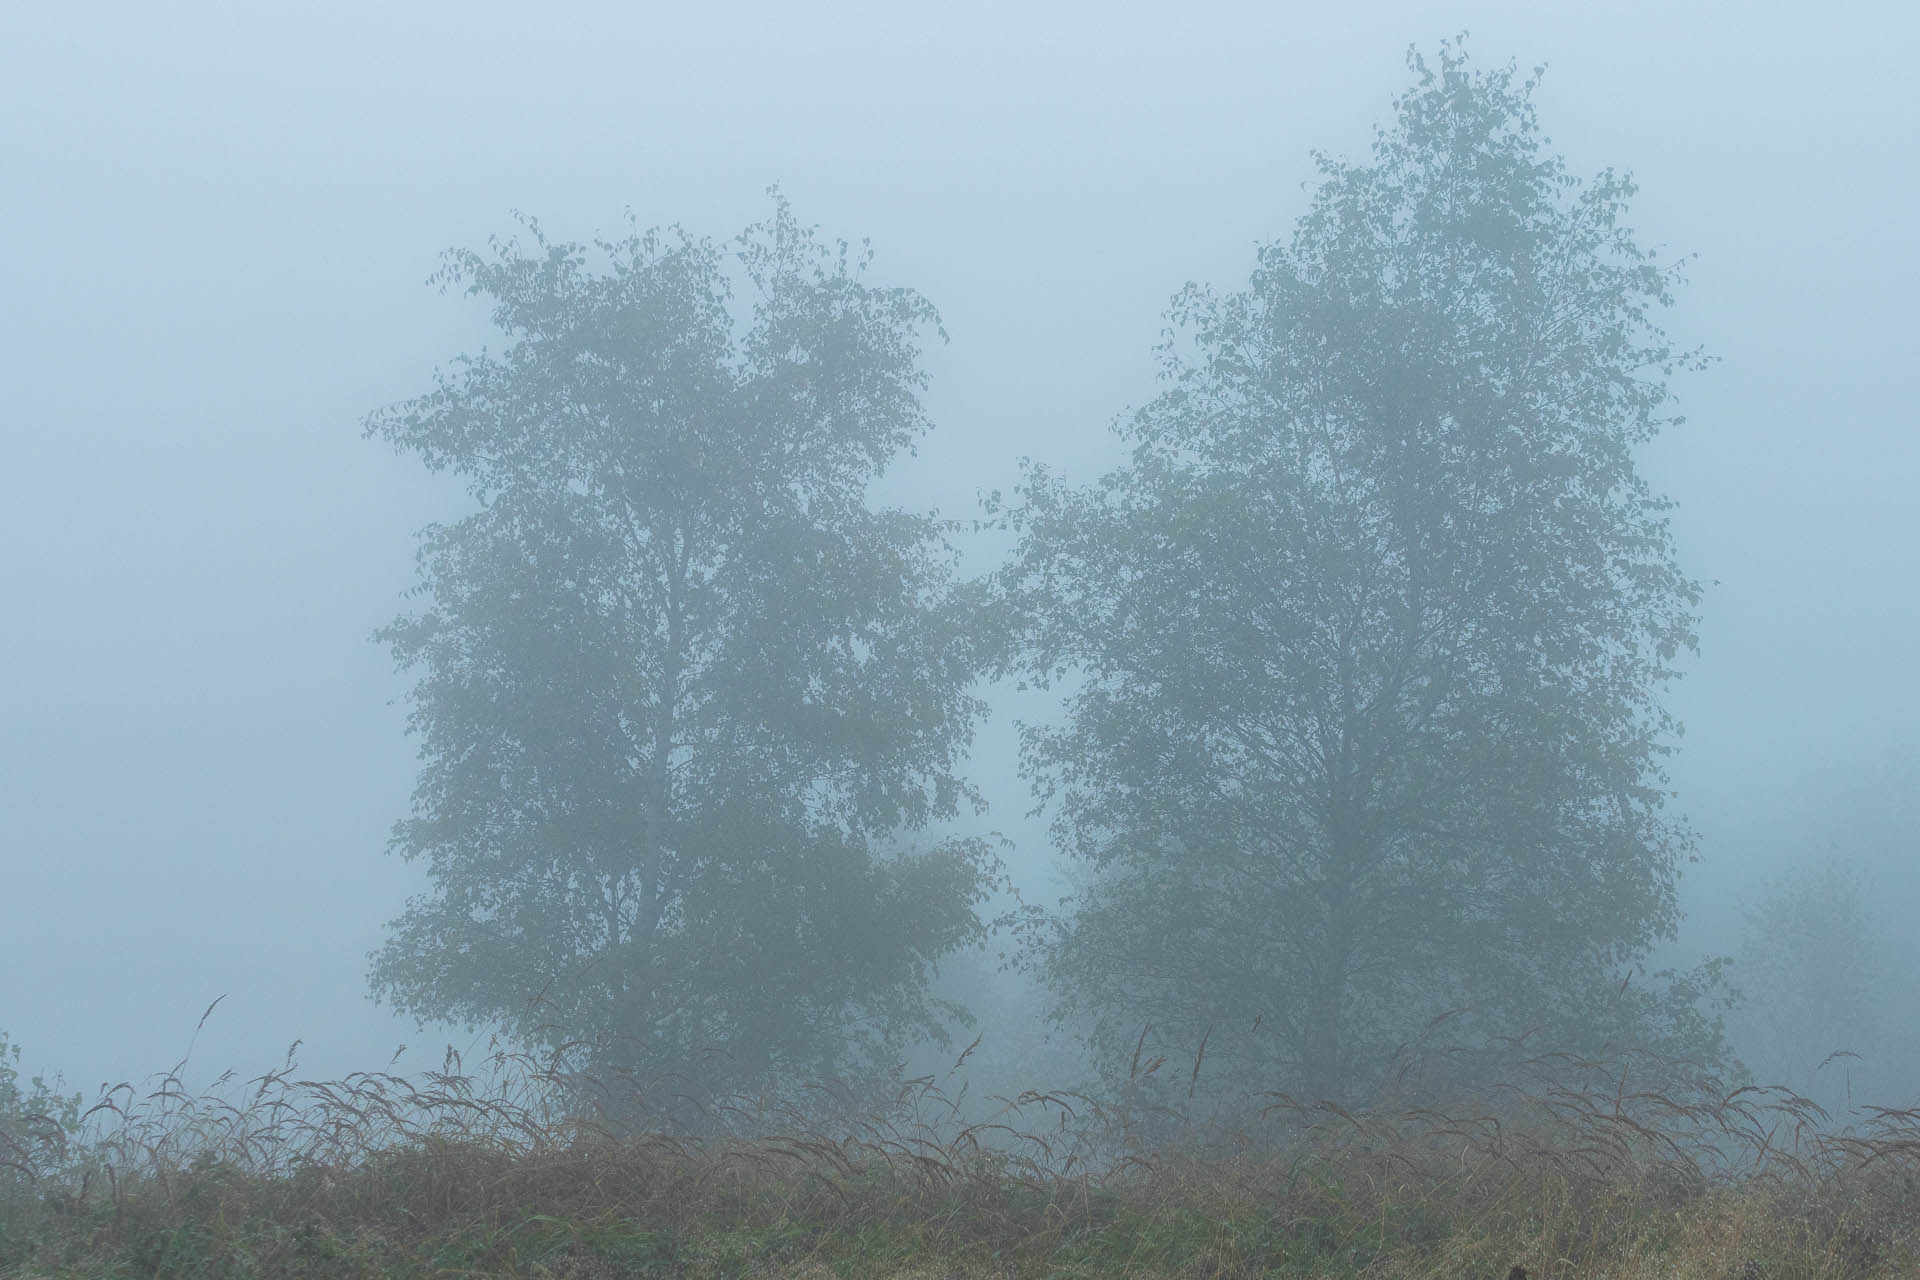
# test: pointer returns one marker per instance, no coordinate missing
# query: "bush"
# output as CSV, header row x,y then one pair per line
x,y
36,1124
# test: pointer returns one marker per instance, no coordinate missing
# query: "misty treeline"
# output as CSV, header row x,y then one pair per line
x,y
1360,655
1827,990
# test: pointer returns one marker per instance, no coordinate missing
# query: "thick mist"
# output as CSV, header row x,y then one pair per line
x,y
219,225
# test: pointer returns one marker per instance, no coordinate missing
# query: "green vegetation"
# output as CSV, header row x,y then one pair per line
x,y
34,1122
681,692
446,1174
1365,649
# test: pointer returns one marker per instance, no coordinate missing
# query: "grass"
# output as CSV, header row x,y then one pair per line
x,y
1562,1172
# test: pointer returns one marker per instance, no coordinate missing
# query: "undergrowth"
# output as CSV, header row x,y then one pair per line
x,y
517,1170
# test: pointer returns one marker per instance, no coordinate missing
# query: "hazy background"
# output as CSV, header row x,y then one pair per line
x,y
215,222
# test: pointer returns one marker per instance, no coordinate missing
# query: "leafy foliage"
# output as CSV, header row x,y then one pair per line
x,y
1367,639
36,1122
677,684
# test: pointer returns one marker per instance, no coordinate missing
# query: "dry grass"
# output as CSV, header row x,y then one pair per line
x,y
1563,1170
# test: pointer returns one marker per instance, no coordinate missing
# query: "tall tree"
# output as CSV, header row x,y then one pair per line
x,y
1366,640
678,686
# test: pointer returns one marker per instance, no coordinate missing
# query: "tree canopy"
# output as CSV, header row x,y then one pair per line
x,y
1365,644
679,689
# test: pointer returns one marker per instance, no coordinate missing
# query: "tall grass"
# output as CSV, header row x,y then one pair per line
x,y
527,1165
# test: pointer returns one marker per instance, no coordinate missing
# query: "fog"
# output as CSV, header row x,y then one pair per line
x,y
219,221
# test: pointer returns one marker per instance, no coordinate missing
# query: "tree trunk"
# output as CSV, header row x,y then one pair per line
x,y
1322,1067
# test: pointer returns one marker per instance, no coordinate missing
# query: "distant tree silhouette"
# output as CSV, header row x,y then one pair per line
x,y
1366,643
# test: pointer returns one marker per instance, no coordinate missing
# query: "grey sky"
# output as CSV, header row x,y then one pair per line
x,y
216,221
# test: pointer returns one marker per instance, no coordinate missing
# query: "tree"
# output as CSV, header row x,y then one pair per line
x,y
1814,966
678,686
1368,635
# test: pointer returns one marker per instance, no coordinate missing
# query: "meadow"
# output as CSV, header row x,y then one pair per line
x,y
519,1167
